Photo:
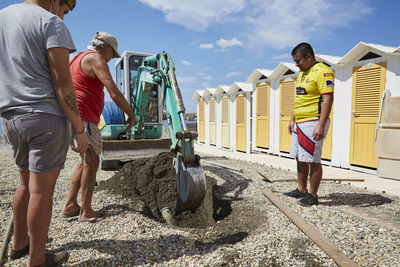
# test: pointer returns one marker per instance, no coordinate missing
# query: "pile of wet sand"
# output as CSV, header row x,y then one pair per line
x,y
152,181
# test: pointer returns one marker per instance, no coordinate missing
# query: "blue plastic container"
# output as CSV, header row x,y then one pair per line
x,y
112,114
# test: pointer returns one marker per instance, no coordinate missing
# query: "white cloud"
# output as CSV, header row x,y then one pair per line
x,y
196,15
285,56
185,62
222,50
205,84
205,68
188,79
204,76
283,24
206,46
264,23
232,74
229,43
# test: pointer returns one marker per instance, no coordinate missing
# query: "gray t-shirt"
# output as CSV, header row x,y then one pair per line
x,y
26,33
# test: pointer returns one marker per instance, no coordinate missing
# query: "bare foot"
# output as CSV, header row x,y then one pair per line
x,y
71,211
91,216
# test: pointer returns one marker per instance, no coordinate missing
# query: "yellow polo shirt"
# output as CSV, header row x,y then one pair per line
x,y
310,86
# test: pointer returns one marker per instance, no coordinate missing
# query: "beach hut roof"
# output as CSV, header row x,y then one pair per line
x,y
282,69
257,74
222,89
362,49
331,60
237,86
198,94
209,92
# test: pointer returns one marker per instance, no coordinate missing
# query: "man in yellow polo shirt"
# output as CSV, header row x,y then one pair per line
x,y
310,121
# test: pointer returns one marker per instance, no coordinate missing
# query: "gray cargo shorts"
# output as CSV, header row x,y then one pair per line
x,y
40,141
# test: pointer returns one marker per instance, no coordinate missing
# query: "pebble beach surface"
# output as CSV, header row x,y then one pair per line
x,y
363,225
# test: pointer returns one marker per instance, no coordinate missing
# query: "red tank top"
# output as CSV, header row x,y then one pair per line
x,y
89,91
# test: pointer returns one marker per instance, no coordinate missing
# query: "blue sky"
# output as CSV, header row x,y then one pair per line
x,y
218,42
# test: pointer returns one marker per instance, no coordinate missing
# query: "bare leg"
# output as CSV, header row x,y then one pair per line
x,y
71,204
90,167
41,188
302,175
316,177
20,210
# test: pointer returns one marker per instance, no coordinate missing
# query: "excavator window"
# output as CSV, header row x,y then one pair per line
x,y
152,110
120,77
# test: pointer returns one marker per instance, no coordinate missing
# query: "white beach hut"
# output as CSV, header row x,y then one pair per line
x,y
362,76
240,95
261,87
210,116
198,95
282,82
223,116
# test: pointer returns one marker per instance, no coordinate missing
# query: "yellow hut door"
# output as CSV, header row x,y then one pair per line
x,y
202,129
368,85
225,123
262,118
212,130
286,110
327,147
241,122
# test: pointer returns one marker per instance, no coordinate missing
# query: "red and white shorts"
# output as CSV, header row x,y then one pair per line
x,y
303,146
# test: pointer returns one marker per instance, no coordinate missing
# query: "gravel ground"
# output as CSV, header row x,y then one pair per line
x,y
364,225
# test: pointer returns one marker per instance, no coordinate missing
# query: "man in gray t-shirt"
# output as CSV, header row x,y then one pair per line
x,y
37,108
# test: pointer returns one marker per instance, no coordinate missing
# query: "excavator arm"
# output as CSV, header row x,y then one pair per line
x,y
173,106
157,74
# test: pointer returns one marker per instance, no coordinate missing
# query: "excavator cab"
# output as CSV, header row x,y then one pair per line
x,y
118,146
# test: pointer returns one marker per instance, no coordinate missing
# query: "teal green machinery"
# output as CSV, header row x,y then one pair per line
x,y
149,84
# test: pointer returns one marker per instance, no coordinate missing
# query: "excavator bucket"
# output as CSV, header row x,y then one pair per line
x,y
115,151
191,184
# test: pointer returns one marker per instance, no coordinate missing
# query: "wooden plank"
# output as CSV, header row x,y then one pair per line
x,y
325,180
336,255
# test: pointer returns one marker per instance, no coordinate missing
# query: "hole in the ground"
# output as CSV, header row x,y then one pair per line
x,y
150,184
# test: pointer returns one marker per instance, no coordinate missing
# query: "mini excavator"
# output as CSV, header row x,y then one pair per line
x,y
149,84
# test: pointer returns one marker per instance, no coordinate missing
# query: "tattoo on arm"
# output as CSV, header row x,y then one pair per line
x,y
70,100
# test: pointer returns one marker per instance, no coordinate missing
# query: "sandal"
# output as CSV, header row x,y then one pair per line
x,y
73,214
16,254
54,259
98,218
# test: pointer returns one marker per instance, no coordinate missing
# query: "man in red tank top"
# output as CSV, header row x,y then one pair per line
x,y
90,74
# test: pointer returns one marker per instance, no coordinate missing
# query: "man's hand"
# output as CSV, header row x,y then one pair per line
x,y
131,122
83,142
291,127
318,133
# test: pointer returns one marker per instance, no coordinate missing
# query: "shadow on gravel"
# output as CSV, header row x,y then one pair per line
x,y
115,209
233,182
354,199
300,251
163,249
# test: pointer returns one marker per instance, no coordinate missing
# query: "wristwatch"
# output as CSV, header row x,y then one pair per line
x,y
83,131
